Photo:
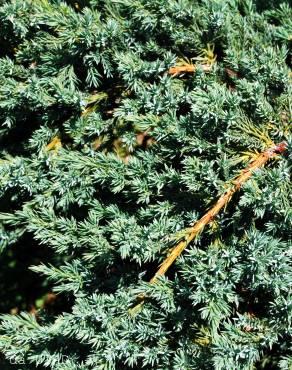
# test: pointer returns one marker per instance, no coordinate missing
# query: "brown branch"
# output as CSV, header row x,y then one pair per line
x,y
198,227
191,68
188,68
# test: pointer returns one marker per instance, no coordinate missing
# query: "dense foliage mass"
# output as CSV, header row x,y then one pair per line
x,y
105,158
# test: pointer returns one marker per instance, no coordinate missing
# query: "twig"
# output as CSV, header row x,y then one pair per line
x,y
188,68
198,227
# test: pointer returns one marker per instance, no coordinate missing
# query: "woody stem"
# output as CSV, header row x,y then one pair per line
x,y
245,174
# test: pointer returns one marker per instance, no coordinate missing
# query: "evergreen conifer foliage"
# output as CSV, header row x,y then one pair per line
x,y
107,158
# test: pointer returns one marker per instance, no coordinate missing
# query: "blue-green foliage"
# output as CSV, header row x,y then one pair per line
x,y
138,156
